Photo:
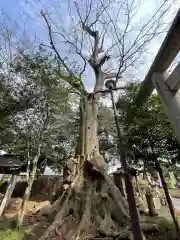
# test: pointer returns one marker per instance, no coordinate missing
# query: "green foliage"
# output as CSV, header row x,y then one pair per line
x,y
11,235
147,130
48,119
45,65
11,104
164,224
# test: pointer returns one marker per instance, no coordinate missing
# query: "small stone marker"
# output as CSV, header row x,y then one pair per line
x,y
157,203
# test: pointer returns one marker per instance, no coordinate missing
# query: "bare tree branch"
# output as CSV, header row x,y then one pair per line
x,y
111,75
53,45
128,56
72,79
103,34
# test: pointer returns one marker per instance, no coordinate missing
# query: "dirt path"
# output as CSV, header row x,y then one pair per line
x,y
34,217
33,213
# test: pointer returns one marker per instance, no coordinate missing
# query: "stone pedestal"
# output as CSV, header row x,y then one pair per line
x,y
157,203
151,205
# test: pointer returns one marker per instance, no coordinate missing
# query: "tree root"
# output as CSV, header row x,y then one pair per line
x,y
107,225
149,227
57,230
58,221
117,197
127,233
112,187
97,211
86,216
124,233
57,203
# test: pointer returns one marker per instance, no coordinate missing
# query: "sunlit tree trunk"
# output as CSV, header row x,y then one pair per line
x,y
8,194
28,189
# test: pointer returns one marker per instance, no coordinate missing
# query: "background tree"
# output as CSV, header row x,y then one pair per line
x,y
150,124
148,135
34,127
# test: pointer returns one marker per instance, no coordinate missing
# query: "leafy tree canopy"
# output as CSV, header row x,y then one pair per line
x,y
147,130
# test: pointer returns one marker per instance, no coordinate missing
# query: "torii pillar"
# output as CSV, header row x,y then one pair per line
x,y
168,89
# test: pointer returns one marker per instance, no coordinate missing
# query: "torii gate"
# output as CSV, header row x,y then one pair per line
x,y
167,86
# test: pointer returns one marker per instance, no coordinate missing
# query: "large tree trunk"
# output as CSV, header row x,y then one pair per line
x,y
28,189
90,201
8,194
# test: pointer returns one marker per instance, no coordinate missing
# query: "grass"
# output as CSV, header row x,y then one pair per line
x,y
164,224
166,229
11,234
9,231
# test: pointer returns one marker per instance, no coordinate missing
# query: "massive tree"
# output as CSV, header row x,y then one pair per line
x,y
90,201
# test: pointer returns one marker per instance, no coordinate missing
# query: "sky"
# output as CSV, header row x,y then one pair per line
x,y
26,14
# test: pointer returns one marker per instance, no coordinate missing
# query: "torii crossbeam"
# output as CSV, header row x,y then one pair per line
x,y
166,85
